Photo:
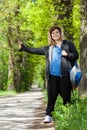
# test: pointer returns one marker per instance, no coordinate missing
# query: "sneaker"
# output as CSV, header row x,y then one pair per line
x,y
48,119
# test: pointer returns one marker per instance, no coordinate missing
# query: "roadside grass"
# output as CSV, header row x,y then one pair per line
x,y
7,93
71,117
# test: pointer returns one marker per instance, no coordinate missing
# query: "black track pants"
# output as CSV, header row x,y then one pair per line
x,y
58,85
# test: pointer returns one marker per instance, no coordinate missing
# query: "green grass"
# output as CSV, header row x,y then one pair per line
x,y
7,93
71,117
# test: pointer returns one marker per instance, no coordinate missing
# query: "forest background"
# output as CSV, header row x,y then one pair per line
x,y
30,21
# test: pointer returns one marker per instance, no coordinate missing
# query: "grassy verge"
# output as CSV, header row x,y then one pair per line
x,y
7,93
71,117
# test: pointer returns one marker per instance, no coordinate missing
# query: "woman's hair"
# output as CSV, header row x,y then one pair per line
x,y
50,40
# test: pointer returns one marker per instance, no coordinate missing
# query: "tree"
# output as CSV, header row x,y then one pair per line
x,y
30,21
83,48
11,22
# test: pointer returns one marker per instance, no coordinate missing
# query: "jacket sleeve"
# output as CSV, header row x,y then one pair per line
x,y
72,53
38,51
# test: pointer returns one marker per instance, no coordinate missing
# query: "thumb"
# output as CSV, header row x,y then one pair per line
x,y
19,42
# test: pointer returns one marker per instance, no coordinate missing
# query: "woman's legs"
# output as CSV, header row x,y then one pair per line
x,y
57,85
52,91
65,89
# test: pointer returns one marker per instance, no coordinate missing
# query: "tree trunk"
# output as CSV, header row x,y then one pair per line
x,y
14,72
10,67
83,48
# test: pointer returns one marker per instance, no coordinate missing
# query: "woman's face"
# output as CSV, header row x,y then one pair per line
x,y
56,35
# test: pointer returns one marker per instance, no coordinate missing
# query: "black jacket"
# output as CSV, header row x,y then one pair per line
x,y
65,61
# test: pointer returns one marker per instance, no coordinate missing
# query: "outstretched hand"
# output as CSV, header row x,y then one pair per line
x,y
20,44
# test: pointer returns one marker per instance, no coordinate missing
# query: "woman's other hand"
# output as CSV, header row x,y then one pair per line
x,y
64,53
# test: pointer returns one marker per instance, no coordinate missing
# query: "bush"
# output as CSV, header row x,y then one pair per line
x,y
71,117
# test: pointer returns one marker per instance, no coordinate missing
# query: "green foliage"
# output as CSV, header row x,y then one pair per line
x,y
10,28
76,23
30,21
39,72
26,73
38,17
71,117
3,64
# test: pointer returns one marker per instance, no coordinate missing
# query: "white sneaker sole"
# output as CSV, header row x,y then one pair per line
x,y
48,119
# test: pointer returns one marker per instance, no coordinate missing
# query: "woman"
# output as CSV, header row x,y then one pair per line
x,y
58,54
